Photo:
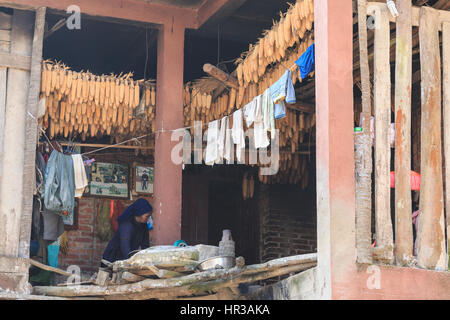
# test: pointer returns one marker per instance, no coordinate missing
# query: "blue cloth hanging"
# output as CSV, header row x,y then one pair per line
x,y
281,91
53,253
306,62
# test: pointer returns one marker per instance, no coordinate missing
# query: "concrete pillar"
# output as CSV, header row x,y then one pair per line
x,y
169,116
11,183
335,159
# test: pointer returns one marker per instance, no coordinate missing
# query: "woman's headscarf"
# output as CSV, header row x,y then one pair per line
x,y
136,209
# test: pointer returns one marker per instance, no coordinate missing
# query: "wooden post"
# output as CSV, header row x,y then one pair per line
x,y
31,134
431,245
403,76
5,26
11,185
382,93
363,150
446,82
221,76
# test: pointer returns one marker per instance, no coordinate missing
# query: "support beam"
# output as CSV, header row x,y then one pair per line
x,y
403,76
382,105
31,134
302,107
141,11
363,150
211,8
446,82
15,61
334,145
135,10
12,183
220,75
431,244
442,15
5,26
169,116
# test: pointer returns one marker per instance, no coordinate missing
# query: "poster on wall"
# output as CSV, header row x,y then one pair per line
x,y
144,179
109,180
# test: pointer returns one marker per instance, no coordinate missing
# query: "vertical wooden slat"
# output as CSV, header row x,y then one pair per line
x,y
31,133
382,94
431,244
5,26
446,83
363,150
403,76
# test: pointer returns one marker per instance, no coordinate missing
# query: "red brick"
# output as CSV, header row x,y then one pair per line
x,y
85,228
83,239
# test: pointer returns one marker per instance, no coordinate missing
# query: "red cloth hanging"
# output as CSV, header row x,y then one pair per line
x,y
116,211
415,180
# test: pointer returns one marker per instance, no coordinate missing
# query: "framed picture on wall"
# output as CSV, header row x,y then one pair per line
x,y
143,179
109,180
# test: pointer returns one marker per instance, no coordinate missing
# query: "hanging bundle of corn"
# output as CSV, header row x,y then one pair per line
x,y
64,243
91,105
276,42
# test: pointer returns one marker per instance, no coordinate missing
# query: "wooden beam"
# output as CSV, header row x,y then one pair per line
x,y
5,23
132,10
100,145
48,268
5,35
31,136
382,94
302,107
446,84
431,244
441,15
403,74
15,61
189,284
221,76
363,151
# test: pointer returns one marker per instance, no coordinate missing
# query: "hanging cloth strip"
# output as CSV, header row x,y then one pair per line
x,y
212,153
281,91
221,140
306,62
228,152
268,115
79,171
260,134
238,134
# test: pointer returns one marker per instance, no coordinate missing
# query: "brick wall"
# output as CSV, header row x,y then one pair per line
x,y
85,249
288,221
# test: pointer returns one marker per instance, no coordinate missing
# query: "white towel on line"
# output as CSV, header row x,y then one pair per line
x,y
238,134
81,180
259,134
249,112
229,146
221,139
212,153
267,111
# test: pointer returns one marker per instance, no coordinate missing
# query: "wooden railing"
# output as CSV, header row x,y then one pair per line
x,y
431,238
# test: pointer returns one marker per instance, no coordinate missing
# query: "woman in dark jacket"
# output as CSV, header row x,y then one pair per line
x,y
132,233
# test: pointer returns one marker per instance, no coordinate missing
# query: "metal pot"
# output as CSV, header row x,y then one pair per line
x,y
219,262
